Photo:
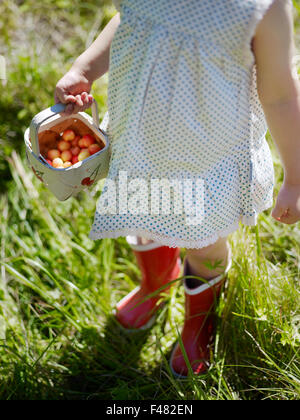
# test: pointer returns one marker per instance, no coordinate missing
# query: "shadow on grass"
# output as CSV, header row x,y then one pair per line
x,y
106,365
109,365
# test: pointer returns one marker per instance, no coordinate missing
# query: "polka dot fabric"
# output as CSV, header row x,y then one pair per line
x,y
183,104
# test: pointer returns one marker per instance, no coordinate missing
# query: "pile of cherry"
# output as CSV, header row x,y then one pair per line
x,y
71,149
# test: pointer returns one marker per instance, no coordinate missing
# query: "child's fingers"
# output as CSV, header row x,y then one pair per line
x,y
78,104
278,211
85,99
289,218
61,96
56,99
285,215
84,96
69,109
83,102
74,104
79,101
70,100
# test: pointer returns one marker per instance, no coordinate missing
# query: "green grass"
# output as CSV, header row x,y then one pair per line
x,y
58,336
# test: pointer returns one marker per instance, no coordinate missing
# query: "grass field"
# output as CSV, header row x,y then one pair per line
x,y
58,338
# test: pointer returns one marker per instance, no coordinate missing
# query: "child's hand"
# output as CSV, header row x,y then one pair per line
x,y
287,208
73,89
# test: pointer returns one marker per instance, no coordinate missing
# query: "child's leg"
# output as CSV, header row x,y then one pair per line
x,y
215,255
143,241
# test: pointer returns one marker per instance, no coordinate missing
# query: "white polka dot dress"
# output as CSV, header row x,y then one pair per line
x,y
189,158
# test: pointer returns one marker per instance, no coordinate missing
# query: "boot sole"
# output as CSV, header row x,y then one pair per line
x,y
147,326
178,375
175,374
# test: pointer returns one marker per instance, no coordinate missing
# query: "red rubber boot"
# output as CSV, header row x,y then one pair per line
x,y
198,330
159,265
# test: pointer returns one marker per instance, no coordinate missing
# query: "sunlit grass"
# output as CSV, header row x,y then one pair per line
x,y
60,340
58,288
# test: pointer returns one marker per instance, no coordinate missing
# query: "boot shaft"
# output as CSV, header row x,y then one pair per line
x,y
201,297
158,264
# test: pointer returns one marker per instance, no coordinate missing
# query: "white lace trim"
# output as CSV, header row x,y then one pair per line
x,y
181,243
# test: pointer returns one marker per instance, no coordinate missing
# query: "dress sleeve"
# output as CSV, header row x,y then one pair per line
x,y
258,10
117,4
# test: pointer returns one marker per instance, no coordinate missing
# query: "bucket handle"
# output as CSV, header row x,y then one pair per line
x,y
44,115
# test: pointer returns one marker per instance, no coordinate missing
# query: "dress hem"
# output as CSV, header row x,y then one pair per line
x,y
175,242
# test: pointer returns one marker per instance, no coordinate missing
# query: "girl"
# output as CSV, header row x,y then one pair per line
x,y
192,87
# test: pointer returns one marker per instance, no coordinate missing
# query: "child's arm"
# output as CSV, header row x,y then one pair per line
x,y
76,84
279,93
